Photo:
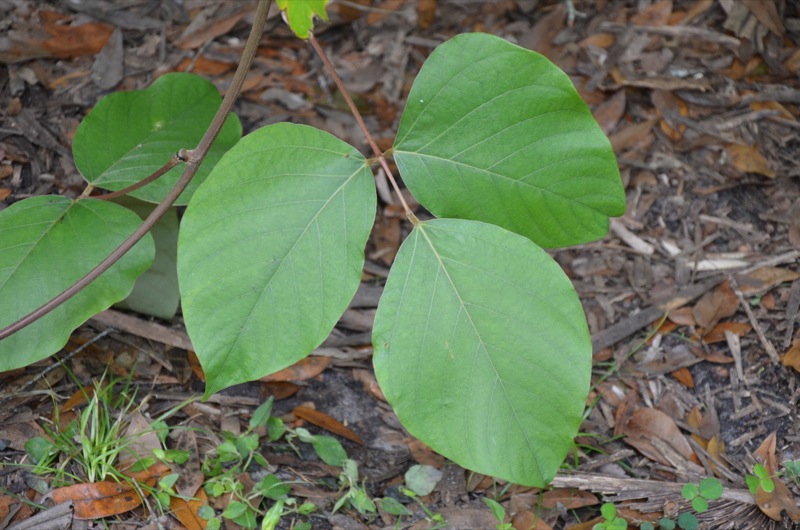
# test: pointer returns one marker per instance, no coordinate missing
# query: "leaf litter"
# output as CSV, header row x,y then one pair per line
x,y
700,100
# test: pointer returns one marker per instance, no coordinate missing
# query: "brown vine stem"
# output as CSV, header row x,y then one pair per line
x,y
174,160
357,115
193,160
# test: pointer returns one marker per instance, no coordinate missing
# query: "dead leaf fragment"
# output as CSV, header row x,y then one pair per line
x,y
320,419
764,279
186,510
715,305
93,500
791,359
748,159
647,424
302,370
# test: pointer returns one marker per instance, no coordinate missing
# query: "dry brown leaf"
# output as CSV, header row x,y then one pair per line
x,y
279,389
668,106
93,500
304,369
697,9
542,35
654,15
766,453
767,13
426,13
748,159
608,113
764,279
682,316
792,356
324,421
684,377
717,333
527,520
199,33
647,424
599,40
715,305
773,503
186,510
570,498
632,135
424,455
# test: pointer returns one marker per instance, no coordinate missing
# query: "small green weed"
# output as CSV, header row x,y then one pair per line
x,y
708,489
759,478
610,519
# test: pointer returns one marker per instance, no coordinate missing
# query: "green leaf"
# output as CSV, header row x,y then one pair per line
x,y
272,487
421,479
700,505
666,524
497,133
273,516
271,250
129,135
329,450
687,521
710,488
261,415
767,485
235,509
361,501
497,509
482,349
609,511
392,506
156,291
300,14
46,244
689,491
760,471
752,483
39,448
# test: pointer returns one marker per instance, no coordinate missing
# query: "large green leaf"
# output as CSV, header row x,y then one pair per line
x,y
482,349
497,133
271,250
129,135
156,291
46,244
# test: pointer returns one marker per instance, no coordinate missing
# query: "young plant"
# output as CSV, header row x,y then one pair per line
x,y
759,479
708,489
610,519
481,344
499,513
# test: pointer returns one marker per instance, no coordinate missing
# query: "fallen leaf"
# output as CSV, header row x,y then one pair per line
x,y
684,377
791,359
426,13
715,305
302,370
682,316
93,500
186,510
717,333
773,503
279,389
320,419
766,453
632,135
608,113
654,15
204,30
527,520
748,159
765,278
767,13
645,425
570,498
668,106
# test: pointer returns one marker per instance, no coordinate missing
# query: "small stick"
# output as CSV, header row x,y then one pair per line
x,y
754,322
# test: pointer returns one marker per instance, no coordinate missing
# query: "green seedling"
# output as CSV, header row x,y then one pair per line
x,y
355,494
499,513
436,520
791,470
708,489
759,479
610,519
494,142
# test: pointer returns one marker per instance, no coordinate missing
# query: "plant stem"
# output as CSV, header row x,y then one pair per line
x,y
194,158
174,160
357,115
